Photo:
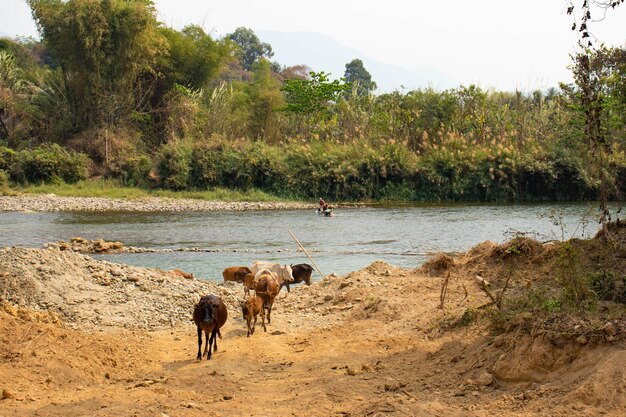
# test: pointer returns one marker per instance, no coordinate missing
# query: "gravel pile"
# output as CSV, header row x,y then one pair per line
x,y
89,294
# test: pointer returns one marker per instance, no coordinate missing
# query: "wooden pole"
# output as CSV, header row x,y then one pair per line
x,y
306,253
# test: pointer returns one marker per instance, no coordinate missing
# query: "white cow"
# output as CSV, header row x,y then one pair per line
x,y
282,273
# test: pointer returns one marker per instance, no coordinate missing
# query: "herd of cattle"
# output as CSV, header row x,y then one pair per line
x,y
266,279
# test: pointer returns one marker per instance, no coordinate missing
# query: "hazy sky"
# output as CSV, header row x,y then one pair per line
x,y
497,43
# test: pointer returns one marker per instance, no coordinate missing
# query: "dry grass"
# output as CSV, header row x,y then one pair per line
x,y
437,264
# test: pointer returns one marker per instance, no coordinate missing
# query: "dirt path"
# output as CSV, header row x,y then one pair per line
x,y
366,344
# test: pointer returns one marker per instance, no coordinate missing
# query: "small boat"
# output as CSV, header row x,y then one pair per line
x,y
328,212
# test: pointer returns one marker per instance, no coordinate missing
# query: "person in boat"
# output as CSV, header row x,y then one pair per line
x,y
324,208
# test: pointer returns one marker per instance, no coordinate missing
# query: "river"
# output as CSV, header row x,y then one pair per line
x,y
350,240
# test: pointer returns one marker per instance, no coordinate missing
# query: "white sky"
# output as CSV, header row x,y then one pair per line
x,y
503,44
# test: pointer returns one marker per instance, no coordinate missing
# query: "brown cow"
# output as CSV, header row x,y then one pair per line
x,y
248,284
251,308
267,288
183,274
209,314
235,273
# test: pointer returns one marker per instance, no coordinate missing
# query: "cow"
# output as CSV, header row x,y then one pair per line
x,y
183,274
209,314
267,289
301,272
235,273
283,272
250,308
248,284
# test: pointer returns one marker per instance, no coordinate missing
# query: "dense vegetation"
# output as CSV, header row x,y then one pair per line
x,y
110,91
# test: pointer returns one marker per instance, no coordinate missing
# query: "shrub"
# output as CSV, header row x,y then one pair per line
x,y
4,180
174,165
50,163
7,158
203,170
552,305
609,286
131,170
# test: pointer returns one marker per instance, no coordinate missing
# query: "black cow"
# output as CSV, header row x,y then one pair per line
x,y
301,272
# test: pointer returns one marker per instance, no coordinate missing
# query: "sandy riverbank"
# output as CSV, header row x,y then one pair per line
x,y
39,202
87,337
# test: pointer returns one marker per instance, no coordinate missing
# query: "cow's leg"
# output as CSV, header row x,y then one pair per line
x,y
269,313
250,331
206,345
199,343
288,289
254,325
263,319
210,340
214,337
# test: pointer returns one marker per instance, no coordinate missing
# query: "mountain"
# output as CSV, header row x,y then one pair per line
x,y
323,53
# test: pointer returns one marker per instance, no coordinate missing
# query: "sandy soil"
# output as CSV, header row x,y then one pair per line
x,y
372,343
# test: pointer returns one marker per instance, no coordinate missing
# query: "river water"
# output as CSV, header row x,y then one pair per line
x,y
350,240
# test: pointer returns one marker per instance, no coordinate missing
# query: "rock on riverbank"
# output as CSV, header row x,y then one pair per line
x,y
51,202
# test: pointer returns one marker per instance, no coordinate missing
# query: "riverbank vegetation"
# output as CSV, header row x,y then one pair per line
x,y
113,189
564,288
110,92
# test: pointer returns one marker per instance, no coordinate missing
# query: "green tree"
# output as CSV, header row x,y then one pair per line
x,y
313,95
194,57
15,93
359,77
313,99
107,51
598,99
251,47
265,98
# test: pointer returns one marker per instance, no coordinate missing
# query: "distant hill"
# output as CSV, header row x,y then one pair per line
x,y
323,53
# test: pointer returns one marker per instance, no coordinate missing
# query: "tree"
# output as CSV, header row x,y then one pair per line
x,y
265,98
14,94
251,47
313,95
107,51
313,98
359,77
589,71
587,8
296,71
194,57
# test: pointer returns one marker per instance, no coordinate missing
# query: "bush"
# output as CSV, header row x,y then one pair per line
x,y
49,164
4,181
203,170
7,158
609,286
174,165
131,170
